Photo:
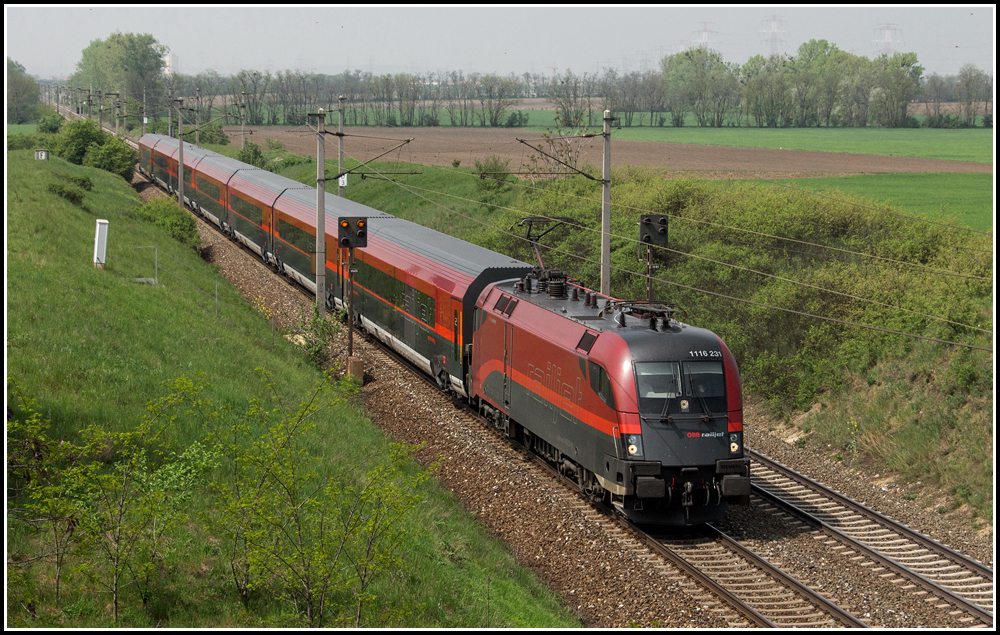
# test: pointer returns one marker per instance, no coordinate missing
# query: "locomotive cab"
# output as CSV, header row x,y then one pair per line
x,y
678,399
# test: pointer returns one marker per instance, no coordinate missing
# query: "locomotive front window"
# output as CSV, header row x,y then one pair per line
x,y
704,379
669,388
657,382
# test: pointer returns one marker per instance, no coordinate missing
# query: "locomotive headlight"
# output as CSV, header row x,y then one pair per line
x,y
633,444
735,442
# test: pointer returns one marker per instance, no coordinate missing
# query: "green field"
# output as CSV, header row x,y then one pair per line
x,y
974,145
23,128
951,198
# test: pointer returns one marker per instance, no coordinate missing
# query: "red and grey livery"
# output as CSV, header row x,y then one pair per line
x,y
618,394
637,406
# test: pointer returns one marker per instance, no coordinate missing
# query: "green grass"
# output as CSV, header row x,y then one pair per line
x,y
974,145
953,198
93,347
22,128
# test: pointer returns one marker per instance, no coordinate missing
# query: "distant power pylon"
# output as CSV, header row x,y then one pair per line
x,y
886,42
704,41
771,33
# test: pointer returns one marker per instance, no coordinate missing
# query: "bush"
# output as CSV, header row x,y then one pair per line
x,y
76,139
51,124
71,194
164,212
516,119
157,127
253,154
213,133
81,181
114,156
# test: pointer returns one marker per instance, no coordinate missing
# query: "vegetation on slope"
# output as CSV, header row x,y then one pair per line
x,y
145,453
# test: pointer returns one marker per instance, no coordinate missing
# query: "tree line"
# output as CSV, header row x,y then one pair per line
x,y
819,85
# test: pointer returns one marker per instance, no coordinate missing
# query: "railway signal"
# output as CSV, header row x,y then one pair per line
x,y
353,231
653,229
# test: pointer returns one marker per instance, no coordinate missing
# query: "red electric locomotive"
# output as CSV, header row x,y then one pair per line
x,y
632,403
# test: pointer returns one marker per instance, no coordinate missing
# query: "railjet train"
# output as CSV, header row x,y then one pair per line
x,y
640,409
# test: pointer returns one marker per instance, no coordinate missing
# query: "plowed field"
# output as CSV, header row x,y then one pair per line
x,y
441,146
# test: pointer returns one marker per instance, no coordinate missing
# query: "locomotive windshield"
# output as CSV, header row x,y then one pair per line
x,y
668,388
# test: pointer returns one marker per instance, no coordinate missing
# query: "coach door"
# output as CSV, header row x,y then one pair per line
x,y
508,351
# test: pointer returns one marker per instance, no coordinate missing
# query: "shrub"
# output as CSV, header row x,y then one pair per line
x,y
516,119
164,212
274,144
76,139
114,156
253,154
51,124
80,181
213,133
71,194
157,127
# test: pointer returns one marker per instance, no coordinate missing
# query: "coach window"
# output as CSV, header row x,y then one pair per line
x,y
246,209
296,237
208,188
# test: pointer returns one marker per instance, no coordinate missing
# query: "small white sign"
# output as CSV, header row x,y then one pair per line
x,y
145,120
343,180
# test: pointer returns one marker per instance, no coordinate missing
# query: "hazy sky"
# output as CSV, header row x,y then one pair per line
x,y
48,41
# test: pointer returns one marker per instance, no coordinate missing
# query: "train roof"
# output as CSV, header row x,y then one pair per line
x,y
398,234
633,320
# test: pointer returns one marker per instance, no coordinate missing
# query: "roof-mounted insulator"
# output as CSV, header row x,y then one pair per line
x,y
576,295
652,322
557,289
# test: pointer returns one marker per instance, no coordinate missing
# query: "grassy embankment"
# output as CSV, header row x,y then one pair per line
x,y
919,408
93,347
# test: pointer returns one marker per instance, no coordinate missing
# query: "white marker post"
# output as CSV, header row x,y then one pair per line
x,y
101,244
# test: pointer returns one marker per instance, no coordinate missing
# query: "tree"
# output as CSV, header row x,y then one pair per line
x,y
856,90
496,96
250,88
933,93
969,90
129,61
897,80
566,94
22,94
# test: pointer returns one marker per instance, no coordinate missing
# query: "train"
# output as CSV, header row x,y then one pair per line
x,y
642,410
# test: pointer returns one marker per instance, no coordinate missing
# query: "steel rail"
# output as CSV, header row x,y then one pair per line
x,y
874,554
846,618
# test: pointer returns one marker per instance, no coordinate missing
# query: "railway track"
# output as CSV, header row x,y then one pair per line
x,y
923,565
762,589
755,592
